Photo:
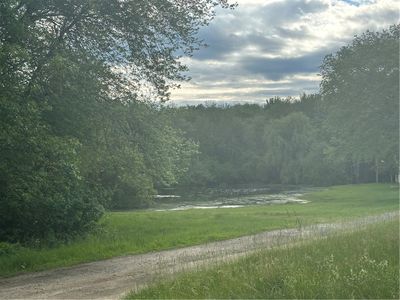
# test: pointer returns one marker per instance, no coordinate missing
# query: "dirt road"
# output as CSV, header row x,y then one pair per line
x,y
112,278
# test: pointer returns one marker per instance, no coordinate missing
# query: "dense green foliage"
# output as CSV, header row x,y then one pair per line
x,y
76,131
348,133
133,232
357,265
42,194
360,89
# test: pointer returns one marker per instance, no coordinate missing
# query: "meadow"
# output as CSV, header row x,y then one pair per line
x,y
132,232
353,265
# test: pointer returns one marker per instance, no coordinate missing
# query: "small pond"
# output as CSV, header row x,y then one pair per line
x,y
233,197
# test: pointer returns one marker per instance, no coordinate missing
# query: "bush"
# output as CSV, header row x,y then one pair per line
x,y
8,249
42,195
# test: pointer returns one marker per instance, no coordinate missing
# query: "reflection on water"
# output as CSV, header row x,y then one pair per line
x,y
175,200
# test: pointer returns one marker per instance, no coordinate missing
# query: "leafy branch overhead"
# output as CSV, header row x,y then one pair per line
x,y
135,43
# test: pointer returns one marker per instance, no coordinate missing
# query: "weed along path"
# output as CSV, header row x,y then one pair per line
x,y
112,278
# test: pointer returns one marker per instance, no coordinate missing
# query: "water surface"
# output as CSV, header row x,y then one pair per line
x,y
233,197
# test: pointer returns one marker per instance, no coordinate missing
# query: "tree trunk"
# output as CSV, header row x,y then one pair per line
x,y
376,170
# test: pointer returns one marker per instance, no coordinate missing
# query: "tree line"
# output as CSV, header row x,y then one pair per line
x,y
83,127
346,133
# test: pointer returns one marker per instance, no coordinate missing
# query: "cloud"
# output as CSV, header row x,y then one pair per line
x,y
223,44
352,2
282,12
275,47
279,68
255,90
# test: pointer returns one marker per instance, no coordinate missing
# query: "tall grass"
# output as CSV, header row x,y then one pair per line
x,y
357,265
135,232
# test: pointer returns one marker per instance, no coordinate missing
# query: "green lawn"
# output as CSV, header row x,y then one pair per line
x,y
143,231
358,265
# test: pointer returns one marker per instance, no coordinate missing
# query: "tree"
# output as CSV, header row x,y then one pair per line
x,y
288,142
135,151
133,44
360,91
71,75
42,193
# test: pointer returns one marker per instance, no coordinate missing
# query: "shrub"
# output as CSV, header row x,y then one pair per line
x,y
42,195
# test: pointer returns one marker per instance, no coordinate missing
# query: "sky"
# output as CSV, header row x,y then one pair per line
x,y
268,48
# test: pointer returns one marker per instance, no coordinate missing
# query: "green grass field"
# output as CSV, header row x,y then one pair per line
x,y
358,265
143,231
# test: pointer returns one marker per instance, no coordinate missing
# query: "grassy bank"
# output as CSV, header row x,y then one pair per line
x,y
143,231
358,265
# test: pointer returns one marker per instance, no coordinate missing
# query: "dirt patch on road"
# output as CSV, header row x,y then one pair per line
x,y
112,278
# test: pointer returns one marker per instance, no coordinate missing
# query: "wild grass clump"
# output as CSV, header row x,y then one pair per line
x,y
360,265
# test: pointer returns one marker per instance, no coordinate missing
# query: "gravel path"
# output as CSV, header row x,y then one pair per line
x,y
112,278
